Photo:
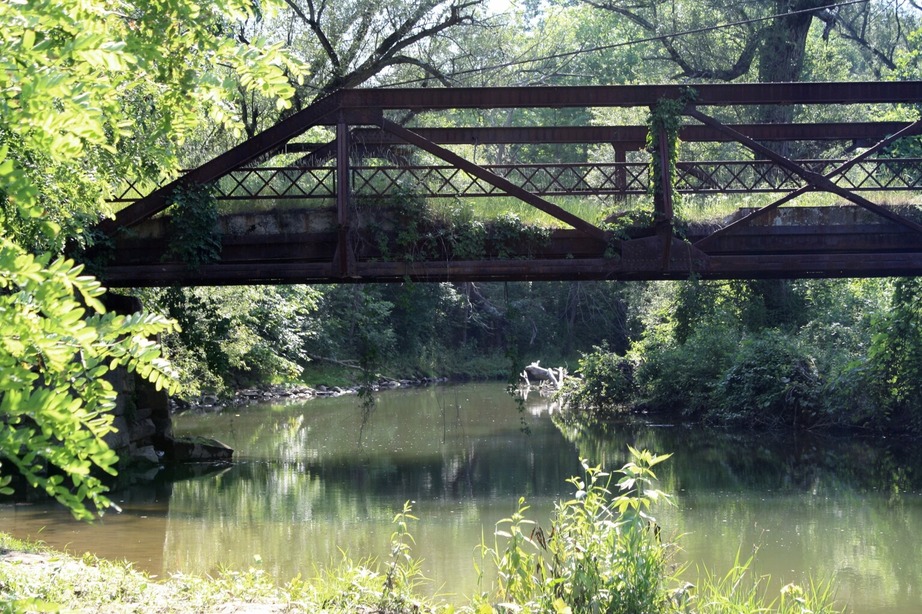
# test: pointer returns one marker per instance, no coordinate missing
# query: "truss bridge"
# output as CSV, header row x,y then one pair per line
x,y
376,185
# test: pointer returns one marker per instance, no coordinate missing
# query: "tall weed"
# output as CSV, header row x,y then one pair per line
x,y
602,554
605,553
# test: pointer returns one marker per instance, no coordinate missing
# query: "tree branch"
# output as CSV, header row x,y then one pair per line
x,y
849,31
313,22
740,67
397,41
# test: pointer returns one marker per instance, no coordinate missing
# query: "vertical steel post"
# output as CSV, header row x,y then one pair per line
x,y
662,199
345,259
620,170
663,204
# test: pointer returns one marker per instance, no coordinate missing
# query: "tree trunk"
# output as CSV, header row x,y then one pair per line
x,y
781,58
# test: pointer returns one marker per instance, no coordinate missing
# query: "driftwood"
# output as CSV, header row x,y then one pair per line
x,y
536,373
349,364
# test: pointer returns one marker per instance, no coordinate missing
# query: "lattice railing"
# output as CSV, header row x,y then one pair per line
x,y
295,183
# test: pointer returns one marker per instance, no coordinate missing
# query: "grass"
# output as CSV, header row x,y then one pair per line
x,y
35,579
318,372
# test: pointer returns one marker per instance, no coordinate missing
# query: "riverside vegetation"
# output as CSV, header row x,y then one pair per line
x,y
603,552
802,355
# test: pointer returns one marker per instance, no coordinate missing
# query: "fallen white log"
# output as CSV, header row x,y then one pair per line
x,y
535,372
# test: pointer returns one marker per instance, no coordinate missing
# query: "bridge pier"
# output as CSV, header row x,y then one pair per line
x,y
141,417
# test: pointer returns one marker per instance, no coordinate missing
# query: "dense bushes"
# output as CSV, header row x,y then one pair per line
x,y
684,375
772,381
895,355
834,356
608,380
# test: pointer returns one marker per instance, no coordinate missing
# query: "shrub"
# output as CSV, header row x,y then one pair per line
x,y
772,382
602,554
606,386
680,378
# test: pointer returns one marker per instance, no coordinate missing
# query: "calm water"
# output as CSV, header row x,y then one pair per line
x,y
312,478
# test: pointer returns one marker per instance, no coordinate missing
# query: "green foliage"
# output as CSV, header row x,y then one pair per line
x,y
894,354
664,122
57,582
204,333
414,231
705,354
622,223
507,237
519,566
606,548
604,389
772,382
681,377
602,554
233,337
57,345
740,591
194,235
92,93
403,571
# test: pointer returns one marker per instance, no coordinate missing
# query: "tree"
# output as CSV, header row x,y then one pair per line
x,y
894,354
768,42
92,92
350,43
54,356
770,37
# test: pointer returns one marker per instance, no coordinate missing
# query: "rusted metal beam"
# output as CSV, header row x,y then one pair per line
x,y
722,94
809,240
662,200
752,266
627,136
344,258
814,179
495,180
793,266
908,130
233,158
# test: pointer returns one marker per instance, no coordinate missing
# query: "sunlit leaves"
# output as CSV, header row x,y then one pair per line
x,y
602,552
93,91
57,346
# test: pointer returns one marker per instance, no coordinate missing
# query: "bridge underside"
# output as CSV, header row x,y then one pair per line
x,y
330,211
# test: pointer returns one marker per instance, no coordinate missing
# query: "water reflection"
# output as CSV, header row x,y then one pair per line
x,y
841,508
310,481
308,485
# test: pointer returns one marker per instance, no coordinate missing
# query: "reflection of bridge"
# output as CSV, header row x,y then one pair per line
x,y
317,206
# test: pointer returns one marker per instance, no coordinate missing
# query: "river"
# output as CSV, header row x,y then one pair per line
x,y
316,478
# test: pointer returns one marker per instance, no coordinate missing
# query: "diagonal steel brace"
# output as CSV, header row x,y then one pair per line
x,y
815,180
493,179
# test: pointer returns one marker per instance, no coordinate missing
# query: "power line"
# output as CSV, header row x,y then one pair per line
x,y
637,41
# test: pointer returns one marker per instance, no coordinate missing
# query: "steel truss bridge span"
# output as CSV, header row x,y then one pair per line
x,y
299,206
